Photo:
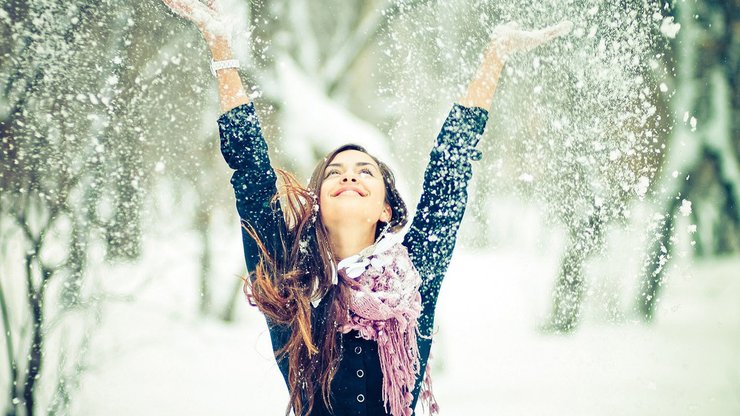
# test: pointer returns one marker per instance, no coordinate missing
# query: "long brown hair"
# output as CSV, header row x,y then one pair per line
x,y
282,287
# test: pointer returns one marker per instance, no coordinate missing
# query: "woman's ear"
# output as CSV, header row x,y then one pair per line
x,y
387,213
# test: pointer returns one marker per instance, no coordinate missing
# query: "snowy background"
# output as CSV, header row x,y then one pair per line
x,y
597,270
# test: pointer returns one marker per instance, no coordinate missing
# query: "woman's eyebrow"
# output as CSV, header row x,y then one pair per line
x,y
362,164
341,165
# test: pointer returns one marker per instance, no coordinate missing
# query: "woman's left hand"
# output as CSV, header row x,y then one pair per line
x,y
508,39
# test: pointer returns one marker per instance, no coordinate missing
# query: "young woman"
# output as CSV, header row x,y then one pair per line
x,y
349,302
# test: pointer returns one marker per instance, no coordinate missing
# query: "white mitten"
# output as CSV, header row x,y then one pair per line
x,y
207,16
508,38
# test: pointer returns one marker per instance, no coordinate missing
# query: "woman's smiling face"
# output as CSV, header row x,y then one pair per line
x,y
352,190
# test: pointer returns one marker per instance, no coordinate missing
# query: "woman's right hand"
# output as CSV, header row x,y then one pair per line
x,y
217,31
206,16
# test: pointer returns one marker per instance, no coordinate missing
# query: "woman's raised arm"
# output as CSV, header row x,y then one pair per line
x,y
208,18
505,40
242,144
433,231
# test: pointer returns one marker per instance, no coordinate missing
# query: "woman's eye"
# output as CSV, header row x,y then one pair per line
x,y
367,171
332,172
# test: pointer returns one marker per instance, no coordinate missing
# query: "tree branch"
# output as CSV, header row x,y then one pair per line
x,y
12,365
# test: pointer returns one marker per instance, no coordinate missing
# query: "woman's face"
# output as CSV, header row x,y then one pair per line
x,y
352,191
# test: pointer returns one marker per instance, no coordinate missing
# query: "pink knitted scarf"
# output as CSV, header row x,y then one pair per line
x,y
385,307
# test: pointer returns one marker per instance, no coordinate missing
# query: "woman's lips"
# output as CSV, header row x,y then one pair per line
x,y
349,190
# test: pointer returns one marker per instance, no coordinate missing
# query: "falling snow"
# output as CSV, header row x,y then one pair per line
x,y
608,164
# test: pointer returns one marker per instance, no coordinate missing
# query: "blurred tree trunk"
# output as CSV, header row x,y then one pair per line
x,y
584,239
701,172
203,227
36,293
73,106
35,195
227,314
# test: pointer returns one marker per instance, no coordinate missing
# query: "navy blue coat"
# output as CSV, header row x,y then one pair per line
x,y
430,240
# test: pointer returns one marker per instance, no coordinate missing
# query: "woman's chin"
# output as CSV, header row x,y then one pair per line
x,y
347,202
349,215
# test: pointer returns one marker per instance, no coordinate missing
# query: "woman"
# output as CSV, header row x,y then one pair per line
x,y
349,302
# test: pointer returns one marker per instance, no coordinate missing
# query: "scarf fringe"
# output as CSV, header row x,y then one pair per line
x,y
426,395
399,361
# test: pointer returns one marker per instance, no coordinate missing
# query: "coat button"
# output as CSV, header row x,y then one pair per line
x,y
360,373
360,398
358,350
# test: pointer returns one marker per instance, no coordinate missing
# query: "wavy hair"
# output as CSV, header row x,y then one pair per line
x,y
282,287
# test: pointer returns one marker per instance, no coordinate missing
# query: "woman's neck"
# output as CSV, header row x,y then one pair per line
x,y
348,241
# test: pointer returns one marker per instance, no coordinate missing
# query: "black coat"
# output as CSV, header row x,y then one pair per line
x,y
430,240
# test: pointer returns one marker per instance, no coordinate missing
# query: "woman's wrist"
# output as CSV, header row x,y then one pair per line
x,y
220,49
496,53
483,85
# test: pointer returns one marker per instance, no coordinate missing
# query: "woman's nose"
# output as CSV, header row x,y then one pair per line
x,y
349,177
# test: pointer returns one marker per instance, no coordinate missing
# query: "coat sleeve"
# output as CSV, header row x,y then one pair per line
x,y
431,237
254,181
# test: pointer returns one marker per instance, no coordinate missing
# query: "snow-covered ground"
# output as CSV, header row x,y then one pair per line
x,y
686,363
155,356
